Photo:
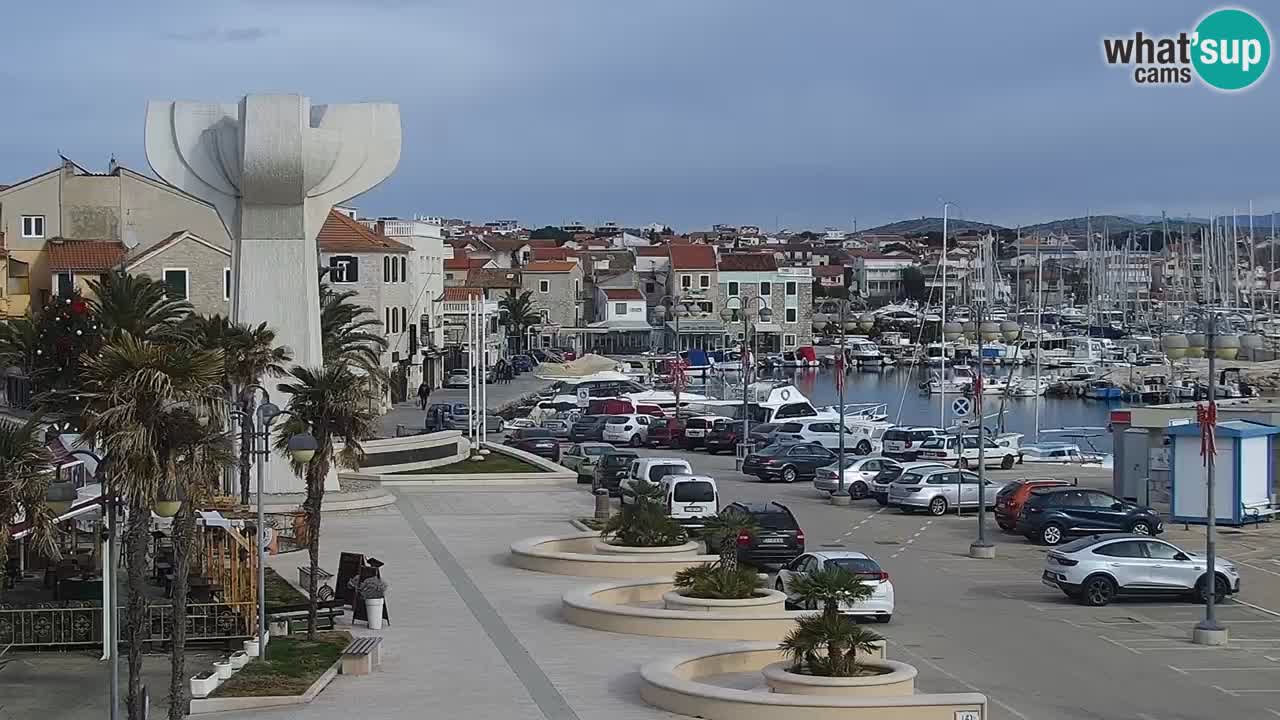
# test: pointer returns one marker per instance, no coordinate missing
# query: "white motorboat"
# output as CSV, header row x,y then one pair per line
x,y
960,380
863,351
1030,386
1059,453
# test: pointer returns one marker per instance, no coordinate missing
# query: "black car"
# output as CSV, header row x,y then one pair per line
x,y
610,469
762,433
787,462
724,436
522,363
538,441
587,428
1050,515
779,539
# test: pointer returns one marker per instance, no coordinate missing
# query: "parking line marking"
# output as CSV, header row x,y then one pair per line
x,y
1259,569
1263,690
1259,608
1273,712
1224,690
1223,669
1122,645
1177,670
971,686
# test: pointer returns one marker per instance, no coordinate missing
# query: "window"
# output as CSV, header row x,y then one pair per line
x,y
686,281
650,288
733,288
344,269
1126,549
19,278
791,315
704,307
386,268
386,319
789,340
546,317
1160,551
544,286
226,283
791,288
32,226
176,280
1100,500
63,283
404,319
704,281
699,491
766,289
404,269
620,308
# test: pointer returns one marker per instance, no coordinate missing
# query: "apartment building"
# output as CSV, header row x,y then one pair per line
x,y
558,297
693,281
750,281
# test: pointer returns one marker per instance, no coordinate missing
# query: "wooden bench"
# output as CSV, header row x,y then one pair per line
x,y
362,656
327,612
304,577
1256,512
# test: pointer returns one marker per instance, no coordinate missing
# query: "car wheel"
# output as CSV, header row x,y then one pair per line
x,y
788,474
938,506
883,619
858,490
863,447
1007,463
635,441
1141,527
1097,591
1051,534
1202,590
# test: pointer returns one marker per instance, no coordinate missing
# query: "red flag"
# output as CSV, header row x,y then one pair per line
x,y
1207,416
839,367
977,385
678,378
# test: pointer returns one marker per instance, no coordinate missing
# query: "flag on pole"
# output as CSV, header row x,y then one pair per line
x,y
678,378
747,367
839,367
1207,416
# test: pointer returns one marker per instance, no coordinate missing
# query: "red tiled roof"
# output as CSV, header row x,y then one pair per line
x,y
748,261
550,266
492,278
548,253
84,255
542,243
623,294
653,251
464,263
342,234
693,257
454,294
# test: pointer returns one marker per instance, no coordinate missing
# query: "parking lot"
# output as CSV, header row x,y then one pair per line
x,y
991,626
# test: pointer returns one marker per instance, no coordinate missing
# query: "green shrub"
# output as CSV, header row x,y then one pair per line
x,y
712,581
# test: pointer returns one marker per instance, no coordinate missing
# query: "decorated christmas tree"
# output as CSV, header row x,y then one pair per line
x,y
66,330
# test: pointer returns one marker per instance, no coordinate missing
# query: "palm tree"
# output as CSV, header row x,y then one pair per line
x,y
332,402
138,305
722,532
350,333
519,311
250,354
26,467
829,587
142,404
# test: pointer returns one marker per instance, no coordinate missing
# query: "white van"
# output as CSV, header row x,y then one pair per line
x,y
691,498
652,469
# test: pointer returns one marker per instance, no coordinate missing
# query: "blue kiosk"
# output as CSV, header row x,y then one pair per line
x,y
1245,473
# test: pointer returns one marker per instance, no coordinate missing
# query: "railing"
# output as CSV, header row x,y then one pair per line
x,y
43,627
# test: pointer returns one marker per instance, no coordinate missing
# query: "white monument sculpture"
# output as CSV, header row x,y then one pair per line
x,y
274,166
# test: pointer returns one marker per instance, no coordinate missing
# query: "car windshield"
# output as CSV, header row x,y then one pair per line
x,y
934,443
774,449
862,567
657,472
889,474
694,491
910,478
595,450
1077,544
615,460
616,420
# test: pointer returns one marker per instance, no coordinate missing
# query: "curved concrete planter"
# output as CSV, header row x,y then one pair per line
x,y
602,547
764,601
897,679
575,555
673,684
616,607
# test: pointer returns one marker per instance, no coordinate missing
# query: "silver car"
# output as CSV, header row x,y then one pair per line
x,y
1095,570
880,483
559,428
858,475
939,490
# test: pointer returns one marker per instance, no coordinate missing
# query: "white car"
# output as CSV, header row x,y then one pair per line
x,y
879,605
858,475
698,427
1096,569
652,469
630,430
826,432
519,423
945,449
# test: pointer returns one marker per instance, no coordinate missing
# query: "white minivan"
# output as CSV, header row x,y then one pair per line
x,y
652,469
691,498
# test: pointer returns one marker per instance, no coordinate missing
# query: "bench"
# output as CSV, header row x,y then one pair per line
x,y
362,656
1254,513
327,612
304,577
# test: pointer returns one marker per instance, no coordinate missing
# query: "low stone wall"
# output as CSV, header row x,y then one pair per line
x,y
412,452
672,684
898,679
763,601
575,555
601,547
552,473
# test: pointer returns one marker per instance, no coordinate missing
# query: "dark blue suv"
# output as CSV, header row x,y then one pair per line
x,y
1051,515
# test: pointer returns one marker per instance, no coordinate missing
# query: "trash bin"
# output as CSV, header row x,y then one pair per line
x,y
602,504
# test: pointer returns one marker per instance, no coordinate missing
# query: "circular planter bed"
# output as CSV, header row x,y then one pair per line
x,y
766,601
884,678
577,555
606,548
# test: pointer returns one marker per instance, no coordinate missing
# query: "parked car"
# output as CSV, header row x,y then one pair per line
x,y
610,469
664,432
520,423
653,469
826,433
947,449
558,427
879,605
1010,499
538,441
697,428
691,499
884,479
903,443
762,433
588,428
453,416
779,539
456,379
630,430
1053,514
858,475
522,363
939,490
724,436
787,462
1095,570
582,457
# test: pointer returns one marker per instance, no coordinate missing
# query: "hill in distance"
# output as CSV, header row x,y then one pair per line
x,y
931,224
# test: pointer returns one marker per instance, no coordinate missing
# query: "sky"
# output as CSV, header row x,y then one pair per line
x,y
809,114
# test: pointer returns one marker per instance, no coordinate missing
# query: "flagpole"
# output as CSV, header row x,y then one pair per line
x,y
1208,631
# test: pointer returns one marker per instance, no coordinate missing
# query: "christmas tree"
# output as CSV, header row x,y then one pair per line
x,y
66,330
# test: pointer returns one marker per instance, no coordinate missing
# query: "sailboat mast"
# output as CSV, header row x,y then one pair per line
x,y
1039,333
1250,278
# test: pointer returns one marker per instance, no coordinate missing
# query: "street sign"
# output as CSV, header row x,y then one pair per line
x,y
584,396
961,406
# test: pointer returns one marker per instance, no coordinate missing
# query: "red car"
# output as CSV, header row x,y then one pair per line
x,y
1012,497
724,436
665,432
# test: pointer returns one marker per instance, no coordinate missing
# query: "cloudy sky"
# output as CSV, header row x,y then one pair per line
x,y
689,112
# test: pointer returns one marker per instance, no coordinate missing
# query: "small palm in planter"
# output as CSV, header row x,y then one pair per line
x,y
725,532
713,581
827,644
644,523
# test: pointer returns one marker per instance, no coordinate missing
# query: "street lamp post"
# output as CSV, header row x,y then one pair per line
x,y
110,612
726,314
981,548
1208,631
674,306
820,321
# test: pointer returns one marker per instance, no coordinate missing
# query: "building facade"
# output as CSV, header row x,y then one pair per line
x,y
557,292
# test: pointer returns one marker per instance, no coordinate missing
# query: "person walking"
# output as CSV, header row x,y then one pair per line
x,y
424,394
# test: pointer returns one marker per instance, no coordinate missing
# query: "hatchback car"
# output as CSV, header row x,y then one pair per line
x,y
522,363
826,433
1010,499
1095,570
588,428
664,432
697,428
903,443
879,605
884,479
630,430
787,462
940,490
582,457
778,539
610,469
456,379
538,441
724,436
559,428
858,475
1051,515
